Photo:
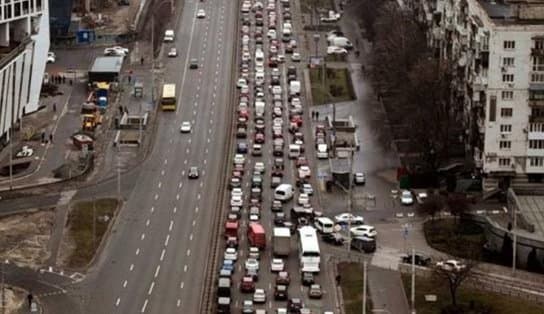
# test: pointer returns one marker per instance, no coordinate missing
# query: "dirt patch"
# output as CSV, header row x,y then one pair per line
x,y
24,238
15,299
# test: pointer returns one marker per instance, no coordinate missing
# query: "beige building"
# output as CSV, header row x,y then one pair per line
x,y
498,50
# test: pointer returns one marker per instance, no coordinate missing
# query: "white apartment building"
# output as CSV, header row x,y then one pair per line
x,y
24,44
498,49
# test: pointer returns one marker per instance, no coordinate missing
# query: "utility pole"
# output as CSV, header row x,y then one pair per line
x,y
413,294
3,291
140,118
153,58
364,287
350,196
10,160
118,178
94,223
514,240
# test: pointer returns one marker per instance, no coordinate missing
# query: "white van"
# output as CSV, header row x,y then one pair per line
x,y
294,88
324,225
259,57
322,151
259,78
341,42
283,192
286,34
168,36
294,151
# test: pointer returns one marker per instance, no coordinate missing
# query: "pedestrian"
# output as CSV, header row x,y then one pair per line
x,y
43,137
142,61
338,278
54,107
70,82
51,138
317,115
129,78
63,79
120,110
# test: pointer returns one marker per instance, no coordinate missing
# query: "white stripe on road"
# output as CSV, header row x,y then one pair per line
x,y
144,306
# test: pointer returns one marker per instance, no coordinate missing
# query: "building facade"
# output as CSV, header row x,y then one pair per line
x,y
498,52
24,44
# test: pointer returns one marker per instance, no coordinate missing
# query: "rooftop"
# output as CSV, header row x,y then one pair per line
x,y
524,12
107,64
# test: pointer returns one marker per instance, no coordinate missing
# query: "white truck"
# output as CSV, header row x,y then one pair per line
x,y
259,108
341,42
322,151
331,17
294,88
281,241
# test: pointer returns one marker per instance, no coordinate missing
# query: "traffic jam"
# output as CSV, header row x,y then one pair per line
x,y
271,261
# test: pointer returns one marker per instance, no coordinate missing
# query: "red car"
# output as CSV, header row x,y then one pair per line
x,y
248,285
297,119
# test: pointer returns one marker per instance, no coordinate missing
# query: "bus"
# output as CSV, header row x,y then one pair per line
x,y
309,254
168,98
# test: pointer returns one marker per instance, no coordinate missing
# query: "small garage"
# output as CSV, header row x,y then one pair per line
x,y
106,69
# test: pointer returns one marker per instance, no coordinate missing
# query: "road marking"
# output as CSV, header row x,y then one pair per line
x,y
181,285
144,306
171,225
194,222
138,251
143,236
152,209
185,268
206,150
177,197
165,161
189,141
151,288
201,184
167,239
187,56
191,237
131,267
208,139
147,223
196,209
180,185
162,171
159,185
187,151
118,301
157,270
185,162
162,254
183,173
188,252
198,196
156,196
179,303
175,209
125,284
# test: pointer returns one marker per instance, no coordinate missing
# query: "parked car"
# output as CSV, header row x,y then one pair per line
x,y
359,178
364,231
406,198
420,259
333,238
315,292
345,218
451,265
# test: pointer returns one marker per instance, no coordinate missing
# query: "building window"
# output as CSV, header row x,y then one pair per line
x,y
506,112
492,108
539,43
537,112
504,162
509,45
508,77
536,161
505,144
508,62
506,128
507,95
536,95
538,63
537,77
536,127
536,144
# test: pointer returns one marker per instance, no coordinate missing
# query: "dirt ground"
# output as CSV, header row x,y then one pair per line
x,y
24,238
15,300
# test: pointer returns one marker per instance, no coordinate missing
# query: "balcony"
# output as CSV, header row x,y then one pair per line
x,y
536,118
537,51
536,102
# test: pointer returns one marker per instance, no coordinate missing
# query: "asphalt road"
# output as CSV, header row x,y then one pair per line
x,y
153,262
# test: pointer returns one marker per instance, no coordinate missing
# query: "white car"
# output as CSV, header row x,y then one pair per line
x,y
254,253
231,254
254,217
276,90
277,265
259,296
236,200
241,82
201,14
252,264
185,127
421,197
237,192
307,189
271,34
173,52
259,166
334,50
359,178
451,265
116,51
280,58
295,57
364,231
239,159
406,198
304,172
345,218
51,57
303,199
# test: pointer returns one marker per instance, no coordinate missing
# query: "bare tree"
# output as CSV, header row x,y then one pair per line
x,y
454,276
432,205
367,11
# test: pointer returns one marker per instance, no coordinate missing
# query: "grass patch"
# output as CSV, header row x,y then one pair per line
x,y
80,228
338,86
464,239
483,301
352,288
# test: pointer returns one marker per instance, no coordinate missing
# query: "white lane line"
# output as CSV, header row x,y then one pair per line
x,y
183,173
165,161
191,237
194,223
185,162
118,301
175,209
188,252
187,150
138,251
156,196
202,183
185,268
171,225
178,304
208,140
180,185
152,209
166,240
181,285
151,288
187,57
189,141
162,254
196,209
125,284
157,270
159,185
198,196
131,268
144,306
177,197
206,150
162,172
143,236
147,223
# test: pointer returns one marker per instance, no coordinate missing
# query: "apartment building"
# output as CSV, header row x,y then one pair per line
x,y
24,44
498,51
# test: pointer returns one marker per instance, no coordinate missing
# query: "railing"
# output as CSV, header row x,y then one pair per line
x,y
4,60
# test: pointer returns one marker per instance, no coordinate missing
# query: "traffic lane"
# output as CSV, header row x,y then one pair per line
x,y
73,59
